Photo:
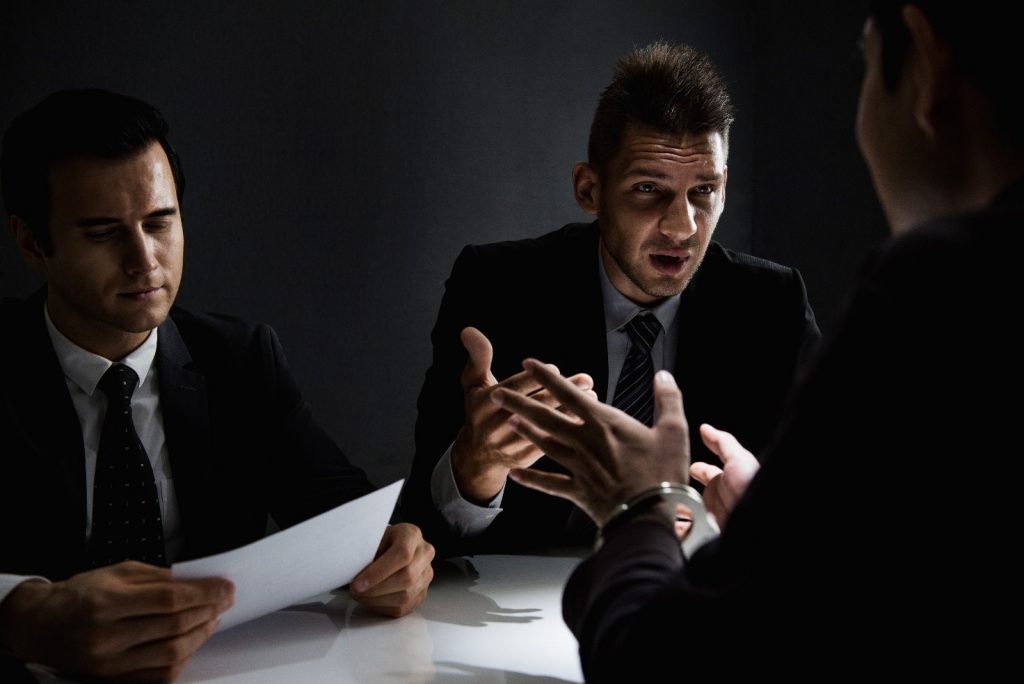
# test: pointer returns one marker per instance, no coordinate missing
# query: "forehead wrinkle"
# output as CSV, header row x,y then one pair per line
x,y
640,153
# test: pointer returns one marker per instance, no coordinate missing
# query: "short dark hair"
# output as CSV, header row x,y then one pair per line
x,y
983,37
673,89
74,123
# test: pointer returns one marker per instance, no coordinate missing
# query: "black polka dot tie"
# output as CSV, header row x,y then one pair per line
x,y
126,520
634,393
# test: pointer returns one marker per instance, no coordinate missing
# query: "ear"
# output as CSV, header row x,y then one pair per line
x,y
30,250
931,70
586,187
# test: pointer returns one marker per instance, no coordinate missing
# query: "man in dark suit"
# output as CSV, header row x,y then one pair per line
x,y
221,436
877,533
732,327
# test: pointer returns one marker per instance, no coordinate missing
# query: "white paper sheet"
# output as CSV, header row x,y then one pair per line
x,y
315,556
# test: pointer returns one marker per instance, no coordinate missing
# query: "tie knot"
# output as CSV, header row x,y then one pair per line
x,y
643,329
118,383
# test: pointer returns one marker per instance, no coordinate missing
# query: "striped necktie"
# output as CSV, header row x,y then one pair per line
x,y
633,393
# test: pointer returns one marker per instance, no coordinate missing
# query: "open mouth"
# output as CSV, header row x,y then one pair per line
x,y
669,264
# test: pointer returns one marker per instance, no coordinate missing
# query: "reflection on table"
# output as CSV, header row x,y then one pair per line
x,y
486,619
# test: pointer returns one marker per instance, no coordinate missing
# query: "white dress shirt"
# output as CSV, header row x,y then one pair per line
x,y
468,519
82,373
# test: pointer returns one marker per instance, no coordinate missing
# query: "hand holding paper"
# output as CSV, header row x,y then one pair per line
x,y
315,556
397,580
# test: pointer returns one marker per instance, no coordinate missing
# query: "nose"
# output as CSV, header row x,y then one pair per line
x,y
139,252
680,219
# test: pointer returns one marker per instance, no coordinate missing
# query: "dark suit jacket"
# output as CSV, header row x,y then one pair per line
x,y
880,530
743,325
242,441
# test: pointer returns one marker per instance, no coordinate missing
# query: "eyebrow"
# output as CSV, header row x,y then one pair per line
x,y
651,173
93,221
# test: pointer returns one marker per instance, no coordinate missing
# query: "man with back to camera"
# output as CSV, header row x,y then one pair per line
x,y
878,534
114,400
640,289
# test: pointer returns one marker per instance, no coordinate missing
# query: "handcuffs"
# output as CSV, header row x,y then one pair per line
x,y
702,526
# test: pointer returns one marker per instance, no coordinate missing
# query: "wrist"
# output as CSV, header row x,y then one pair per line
x,y
658,503
15,625
653,509
477,483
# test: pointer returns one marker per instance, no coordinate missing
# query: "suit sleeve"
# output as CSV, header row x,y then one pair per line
x,y
805,326
311,474
440,407
633,610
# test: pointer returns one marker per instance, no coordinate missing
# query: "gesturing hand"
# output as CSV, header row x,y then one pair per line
x,y
128,621
610,456
724,486
487,447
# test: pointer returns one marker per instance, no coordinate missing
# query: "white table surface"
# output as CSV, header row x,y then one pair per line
x,y
487,618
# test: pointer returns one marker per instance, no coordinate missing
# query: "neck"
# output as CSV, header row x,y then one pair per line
x,y
964,174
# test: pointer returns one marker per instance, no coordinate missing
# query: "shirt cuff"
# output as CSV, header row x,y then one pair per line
x,y
9,582
463,517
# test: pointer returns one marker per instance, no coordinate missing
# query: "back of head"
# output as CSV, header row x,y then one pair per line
x,y
672,89
982,36
74,123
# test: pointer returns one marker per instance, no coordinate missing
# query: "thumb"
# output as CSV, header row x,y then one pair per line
x,y
667,398
478,367
721,443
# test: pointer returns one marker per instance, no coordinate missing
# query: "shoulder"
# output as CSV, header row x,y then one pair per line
x,y
569,241
727,263
220,337
18,310
955,256
728,274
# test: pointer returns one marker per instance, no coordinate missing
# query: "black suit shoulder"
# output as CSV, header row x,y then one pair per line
x,y
216,339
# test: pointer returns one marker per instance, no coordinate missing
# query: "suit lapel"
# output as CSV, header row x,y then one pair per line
x,y
585,346
43,407
184,404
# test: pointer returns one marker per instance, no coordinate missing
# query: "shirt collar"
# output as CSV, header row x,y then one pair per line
x,y
85,368
620,309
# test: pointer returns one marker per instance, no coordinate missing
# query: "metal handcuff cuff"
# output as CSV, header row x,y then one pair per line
x,y
702,527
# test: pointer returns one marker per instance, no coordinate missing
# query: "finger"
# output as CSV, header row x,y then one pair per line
x,y
477,372
704,472
133,571
165,653
668,400
411,579
547,418
398,550
524,382
583,381
394,605
139,630
721,443
568,394
548,444
162,598
521,454
556,484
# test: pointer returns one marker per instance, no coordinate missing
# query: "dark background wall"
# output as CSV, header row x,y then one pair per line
x,y
339,154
